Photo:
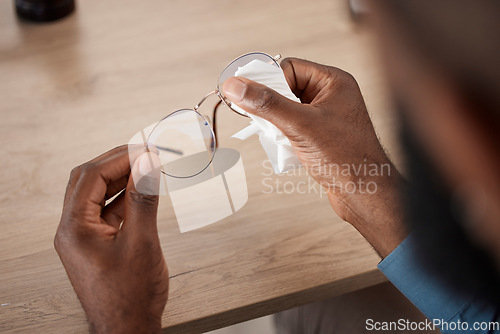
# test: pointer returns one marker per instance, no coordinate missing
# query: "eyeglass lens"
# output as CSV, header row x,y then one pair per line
x,y
185,139
185,142
241,61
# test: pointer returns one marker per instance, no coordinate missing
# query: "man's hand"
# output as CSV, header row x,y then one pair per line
x,y
112,253
330,128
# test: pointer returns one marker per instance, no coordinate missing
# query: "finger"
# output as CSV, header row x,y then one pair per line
x,y
141,197
116,186
310,81
265,102
113,213
96,176
75,172
134,150
301,76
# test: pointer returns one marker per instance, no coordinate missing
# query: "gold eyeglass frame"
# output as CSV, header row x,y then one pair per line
x,y
213,126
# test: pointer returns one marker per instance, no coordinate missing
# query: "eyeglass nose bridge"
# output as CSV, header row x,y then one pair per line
x,y
196,107
215,92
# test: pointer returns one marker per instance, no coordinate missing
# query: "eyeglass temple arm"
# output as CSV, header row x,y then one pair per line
x,y
214,114
214,122
214,119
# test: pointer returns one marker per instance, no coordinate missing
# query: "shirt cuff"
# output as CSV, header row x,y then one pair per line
x,y
430,294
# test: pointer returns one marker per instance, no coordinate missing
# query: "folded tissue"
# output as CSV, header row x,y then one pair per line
x,y
275,144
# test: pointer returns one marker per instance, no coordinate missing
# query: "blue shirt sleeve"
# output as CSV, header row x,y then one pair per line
x,y
434,297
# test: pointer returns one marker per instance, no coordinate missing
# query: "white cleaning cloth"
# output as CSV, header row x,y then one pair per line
x,y
277,146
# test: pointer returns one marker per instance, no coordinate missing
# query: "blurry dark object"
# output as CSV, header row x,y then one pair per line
x,y
44,10
358,8
439,225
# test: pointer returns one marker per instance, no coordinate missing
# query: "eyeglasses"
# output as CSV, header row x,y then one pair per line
x,y
186,141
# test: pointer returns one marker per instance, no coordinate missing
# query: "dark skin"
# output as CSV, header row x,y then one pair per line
x,y
120,275
331,126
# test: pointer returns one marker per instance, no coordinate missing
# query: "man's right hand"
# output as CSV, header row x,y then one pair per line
x,y
329,129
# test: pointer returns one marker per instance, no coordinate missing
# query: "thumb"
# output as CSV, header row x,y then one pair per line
x,y
141,196
264,102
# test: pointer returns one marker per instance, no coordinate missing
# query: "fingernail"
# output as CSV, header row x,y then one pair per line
x,y
234,89
146,174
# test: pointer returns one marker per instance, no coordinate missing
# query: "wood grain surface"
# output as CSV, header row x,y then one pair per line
x,y
73,89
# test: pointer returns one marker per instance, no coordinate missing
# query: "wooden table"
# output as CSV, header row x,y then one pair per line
x,y
73,89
